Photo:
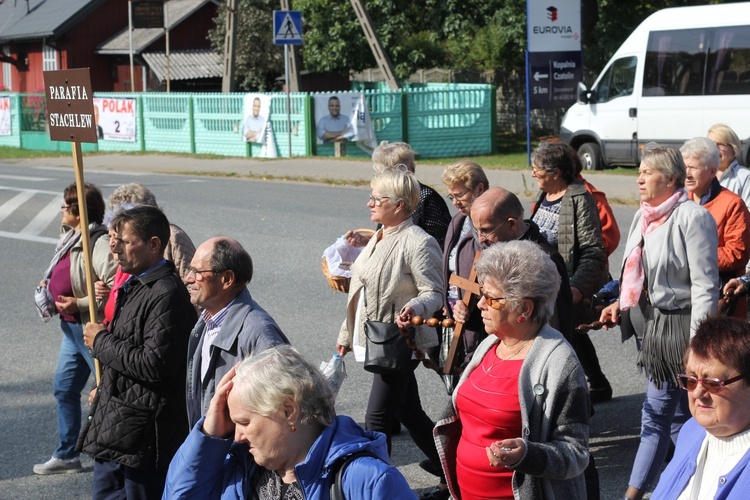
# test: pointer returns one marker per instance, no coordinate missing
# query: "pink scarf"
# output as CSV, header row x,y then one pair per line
x,y
632,273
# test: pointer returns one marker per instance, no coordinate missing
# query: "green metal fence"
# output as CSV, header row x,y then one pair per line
x,y
438,121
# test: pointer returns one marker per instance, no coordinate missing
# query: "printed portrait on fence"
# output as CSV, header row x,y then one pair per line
x,y
343,117
115,119
257,109
5,116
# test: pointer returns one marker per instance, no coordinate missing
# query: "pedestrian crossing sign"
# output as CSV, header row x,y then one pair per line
x,y
287,27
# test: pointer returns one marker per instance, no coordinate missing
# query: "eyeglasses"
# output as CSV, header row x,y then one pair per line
x,y
722,145
67,207
199,273
538,172
484,234
493,302
378,200
710,384
458,196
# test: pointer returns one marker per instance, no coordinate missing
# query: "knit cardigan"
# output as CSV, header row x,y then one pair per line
x,y
555,411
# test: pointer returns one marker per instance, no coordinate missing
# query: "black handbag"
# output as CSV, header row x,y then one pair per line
x,y
386,350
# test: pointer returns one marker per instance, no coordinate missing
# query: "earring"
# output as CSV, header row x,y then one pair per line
x,y
521,318
291,424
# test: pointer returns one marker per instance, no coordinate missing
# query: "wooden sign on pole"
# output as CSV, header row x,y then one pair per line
x,y
70,116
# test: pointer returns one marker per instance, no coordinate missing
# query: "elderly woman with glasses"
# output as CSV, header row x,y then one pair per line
x,y
712,457
669,282
271,433
395,278
518,425
66,282
731,174
567,216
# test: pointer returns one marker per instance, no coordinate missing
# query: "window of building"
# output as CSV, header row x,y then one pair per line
x,y
7,82
49,58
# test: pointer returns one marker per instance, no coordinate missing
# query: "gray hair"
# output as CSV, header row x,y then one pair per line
x,y
551,156
667,160
265,380
135,193
726,135
523,271
393,155
398,185
702,149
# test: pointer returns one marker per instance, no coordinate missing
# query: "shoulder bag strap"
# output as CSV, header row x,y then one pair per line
x,y
337,473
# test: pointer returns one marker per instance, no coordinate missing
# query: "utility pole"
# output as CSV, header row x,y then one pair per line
x,y
230,49
293,62
381,57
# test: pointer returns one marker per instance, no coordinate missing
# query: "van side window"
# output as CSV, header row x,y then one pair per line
x,y
618,80
728,69
674,62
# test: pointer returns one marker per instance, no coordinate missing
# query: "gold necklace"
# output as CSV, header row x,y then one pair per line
x,y
523,344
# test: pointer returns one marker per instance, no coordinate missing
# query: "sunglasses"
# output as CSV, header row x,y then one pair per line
x,y
710,384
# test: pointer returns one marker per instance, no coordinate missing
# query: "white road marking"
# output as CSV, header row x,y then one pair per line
x,y
45,216
11,205
24,178
28,237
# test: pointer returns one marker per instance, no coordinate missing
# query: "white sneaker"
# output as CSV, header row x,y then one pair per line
x,y
58,466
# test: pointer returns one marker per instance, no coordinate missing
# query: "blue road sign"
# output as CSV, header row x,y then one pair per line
x,y
287,27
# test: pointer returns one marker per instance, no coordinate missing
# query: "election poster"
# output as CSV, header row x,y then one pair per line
x,y
115,118
256,126
5,116
344,117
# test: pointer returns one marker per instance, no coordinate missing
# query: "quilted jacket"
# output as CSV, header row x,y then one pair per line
x,y
579,239
138,418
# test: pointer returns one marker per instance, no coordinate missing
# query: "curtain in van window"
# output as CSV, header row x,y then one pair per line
x,y
725,41
661,58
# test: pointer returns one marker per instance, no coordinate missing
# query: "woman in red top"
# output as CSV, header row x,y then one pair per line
x,y
520,422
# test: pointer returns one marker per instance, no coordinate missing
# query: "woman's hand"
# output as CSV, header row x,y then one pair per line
x,y
403,320
66,305
460,311
101,291
610,313
734,287
92,395
218,423
356,239
342,349
506,453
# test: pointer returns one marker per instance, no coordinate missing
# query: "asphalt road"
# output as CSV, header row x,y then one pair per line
x,y
285,226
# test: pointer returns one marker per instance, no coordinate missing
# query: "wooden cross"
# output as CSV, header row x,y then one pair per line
x,y
470,299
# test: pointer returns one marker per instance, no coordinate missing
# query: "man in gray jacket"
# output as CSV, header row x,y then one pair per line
x,y
232,325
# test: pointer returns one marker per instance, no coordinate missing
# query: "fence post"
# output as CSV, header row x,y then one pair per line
x,y
493,120
312,133
15,102
191,120
404,115
141,121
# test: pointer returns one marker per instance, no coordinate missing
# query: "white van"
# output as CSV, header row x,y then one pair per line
x,y
681,71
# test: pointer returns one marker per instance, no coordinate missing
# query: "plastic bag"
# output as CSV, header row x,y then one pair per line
x,y
335,371
340,256
45,303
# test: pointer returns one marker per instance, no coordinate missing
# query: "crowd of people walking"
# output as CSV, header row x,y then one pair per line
x,y
201,395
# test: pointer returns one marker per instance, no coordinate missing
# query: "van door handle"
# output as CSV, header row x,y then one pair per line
x,y
633,112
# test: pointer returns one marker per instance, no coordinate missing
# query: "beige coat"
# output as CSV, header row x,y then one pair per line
x,y
402,269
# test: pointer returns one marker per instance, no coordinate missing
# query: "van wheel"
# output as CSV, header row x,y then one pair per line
x,y
590,156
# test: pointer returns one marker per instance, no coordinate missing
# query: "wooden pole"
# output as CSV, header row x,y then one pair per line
x,y
83,212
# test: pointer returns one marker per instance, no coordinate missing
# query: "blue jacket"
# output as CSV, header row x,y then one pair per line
x,y
207,468
681,468
247,329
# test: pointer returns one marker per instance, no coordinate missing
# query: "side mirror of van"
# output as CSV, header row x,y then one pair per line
x,y
584,95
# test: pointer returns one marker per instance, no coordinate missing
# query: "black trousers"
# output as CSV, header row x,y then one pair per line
x,y
397,395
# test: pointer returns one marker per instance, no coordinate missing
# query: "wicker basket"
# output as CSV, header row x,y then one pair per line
x,y
340,283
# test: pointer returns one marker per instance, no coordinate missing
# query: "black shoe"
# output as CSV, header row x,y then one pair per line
x,y
429,467
435,493
396,429
600,394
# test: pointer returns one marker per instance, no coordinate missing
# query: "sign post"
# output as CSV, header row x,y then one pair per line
x,y
287,30
70,116
554,60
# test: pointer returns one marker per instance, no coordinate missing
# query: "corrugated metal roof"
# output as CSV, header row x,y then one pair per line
x,y
34,19
177,10
185,65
